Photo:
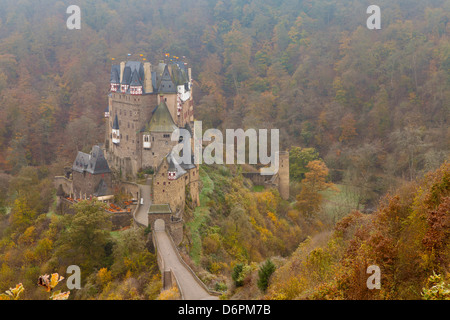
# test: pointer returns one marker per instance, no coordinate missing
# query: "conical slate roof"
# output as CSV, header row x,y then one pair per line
x,y
161,120
126,77
102,189
135,79
166,84
116,123
115,74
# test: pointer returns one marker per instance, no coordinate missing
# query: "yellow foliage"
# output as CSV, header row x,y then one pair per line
x,y
104,276
171,294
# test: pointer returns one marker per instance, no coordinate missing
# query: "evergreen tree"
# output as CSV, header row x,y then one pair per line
x,y
264,273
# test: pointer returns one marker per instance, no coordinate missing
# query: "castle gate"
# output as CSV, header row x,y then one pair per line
x,y
160,225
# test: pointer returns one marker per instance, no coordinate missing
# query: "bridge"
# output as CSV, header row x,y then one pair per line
x,y
173,268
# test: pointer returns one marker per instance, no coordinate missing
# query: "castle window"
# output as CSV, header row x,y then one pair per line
x,y
164,183
147,144
166,135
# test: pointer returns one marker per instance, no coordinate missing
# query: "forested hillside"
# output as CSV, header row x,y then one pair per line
x,y
364,112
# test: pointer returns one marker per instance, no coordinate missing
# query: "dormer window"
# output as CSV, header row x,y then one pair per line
x,y
171,175
114,87
136,90
124,88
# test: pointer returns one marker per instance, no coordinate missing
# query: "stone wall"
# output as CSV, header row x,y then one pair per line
x,y
87,183
172,192
152,217
176,231
161,145
66,184
194,179
133,112
130,188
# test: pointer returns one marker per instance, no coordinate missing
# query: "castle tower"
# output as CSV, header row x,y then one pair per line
x,y
141,95
283,175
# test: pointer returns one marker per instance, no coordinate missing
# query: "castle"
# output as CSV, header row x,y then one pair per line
x,y
146,103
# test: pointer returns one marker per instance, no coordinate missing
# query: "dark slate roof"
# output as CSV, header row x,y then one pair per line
x,y
94,163
154,82
188,128
189,166
171,163
115,74
102,189
161,120
116,123
135,81
132,67
126,77
166,84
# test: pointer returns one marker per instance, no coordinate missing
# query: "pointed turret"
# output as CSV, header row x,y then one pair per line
x,y
115,131
115,78
107,111
166,84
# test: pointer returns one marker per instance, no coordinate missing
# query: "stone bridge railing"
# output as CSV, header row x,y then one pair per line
x,y
200,282
168,277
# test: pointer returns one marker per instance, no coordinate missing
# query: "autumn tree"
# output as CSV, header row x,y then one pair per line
x,y
310,198
299,158
86,236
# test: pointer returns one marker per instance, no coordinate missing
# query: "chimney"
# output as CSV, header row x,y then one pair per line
x,y
148,87
122,66
189,74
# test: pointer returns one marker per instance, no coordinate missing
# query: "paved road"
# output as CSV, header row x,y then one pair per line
x,y
192,290
141,215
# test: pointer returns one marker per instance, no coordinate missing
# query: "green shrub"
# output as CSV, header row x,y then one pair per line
x,y
264,273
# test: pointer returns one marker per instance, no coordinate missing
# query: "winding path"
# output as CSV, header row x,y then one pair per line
x,y
141,215
190,287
